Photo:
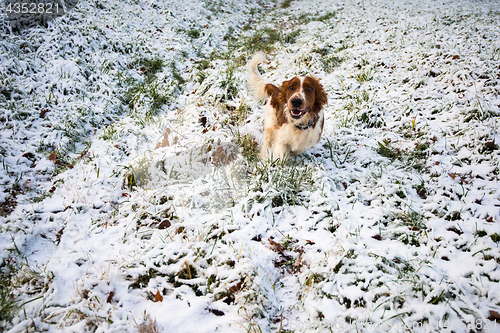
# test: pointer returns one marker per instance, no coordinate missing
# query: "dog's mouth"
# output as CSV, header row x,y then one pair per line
x,y
297,113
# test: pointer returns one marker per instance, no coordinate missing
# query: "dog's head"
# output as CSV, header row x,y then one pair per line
x,y
302,98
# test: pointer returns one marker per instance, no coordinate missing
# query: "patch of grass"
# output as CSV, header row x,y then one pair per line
x,y
291,38
357,101
142,280
336,151
230,35
364,75
372,118
137,174
412,219
360,97
286,3
248,147
194,33
420,150
8,302
413,158
228,84
109,133
9,204
202,64
236,115
421,190
327,16
313,279
280,181
385,149
14,273
149,66
419,84
306,18
481,233
200,76
188,272
177,75
149,92
323,51
329,63
265,39
344,45
289,257
62,159
495,237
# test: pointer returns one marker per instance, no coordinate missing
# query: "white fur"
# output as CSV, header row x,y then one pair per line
x,y
257,81
301,93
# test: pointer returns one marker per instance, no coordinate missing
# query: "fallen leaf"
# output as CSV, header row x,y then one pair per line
x,y
236,287
494,316
43,112
110,296
164,224
158,297
276,246
216,312
53,157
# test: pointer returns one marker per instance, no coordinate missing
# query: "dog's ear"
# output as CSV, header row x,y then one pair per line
x,y
274,93
321,98
270,89
283,89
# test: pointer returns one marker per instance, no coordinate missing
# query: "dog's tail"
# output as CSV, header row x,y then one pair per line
x,y
260,86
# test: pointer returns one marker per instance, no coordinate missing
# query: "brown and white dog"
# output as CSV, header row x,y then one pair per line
x,y
293,115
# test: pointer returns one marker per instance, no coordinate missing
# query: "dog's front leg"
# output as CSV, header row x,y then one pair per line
x,y
269,135
264,152
280,149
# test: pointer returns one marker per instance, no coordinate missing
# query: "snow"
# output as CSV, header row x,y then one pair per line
x,y
345,237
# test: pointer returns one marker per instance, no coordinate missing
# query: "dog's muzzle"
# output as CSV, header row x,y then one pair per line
x,y
297,113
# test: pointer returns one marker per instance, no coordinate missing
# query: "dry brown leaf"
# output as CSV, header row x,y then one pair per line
x,y
276,246
164,224
158,297
236,287
111,294
53,156
494,316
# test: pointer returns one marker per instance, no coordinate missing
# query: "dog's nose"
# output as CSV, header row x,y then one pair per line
x,y
296,102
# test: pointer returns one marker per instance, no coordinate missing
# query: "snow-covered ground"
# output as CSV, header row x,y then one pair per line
x,y
132,199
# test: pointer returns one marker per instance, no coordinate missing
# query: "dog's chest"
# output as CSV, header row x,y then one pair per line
x,y
298,139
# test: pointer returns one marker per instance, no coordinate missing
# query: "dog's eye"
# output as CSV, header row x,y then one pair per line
x,y
309,89
290,88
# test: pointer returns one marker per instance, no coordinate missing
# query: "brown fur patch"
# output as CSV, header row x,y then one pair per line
x,y
273,92
321,98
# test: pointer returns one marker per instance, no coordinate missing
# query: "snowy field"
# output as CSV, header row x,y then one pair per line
x,y
132,199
